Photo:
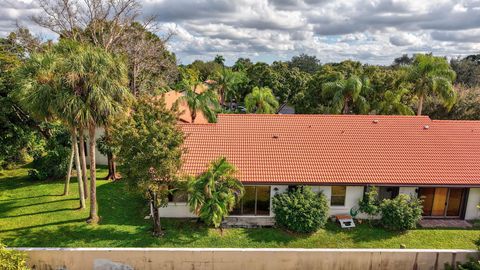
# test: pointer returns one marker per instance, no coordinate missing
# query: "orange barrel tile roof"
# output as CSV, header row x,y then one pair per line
x,y
339,149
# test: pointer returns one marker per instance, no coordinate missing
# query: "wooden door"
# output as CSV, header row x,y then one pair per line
x,y
439,202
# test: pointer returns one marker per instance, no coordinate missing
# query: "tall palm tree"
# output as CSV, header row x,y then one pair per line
x,y
42,93
225,83
99,80
392,103
346,93
206,102
214,193
261,100
432,75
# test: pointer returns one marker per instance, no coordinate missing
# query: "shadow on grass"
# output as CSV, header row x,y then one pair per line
x,y
42,212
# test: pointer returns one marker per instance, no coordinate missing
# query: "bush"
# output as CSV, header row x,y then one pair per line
x,y
301,210
369,203
472,264
401,213
12,259
53,164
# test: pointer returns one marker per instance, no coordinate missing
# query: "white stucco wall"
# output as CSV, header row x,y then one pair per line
x,y
411,191
101,159
176,210
471,211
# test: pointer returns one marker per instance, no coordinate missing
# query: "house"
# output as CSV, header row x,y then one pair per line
x,y
340,155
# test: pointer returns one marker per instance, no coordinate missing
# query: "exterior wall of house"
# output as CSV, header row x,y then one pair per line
x,y
471,211
99,157
176,210
408,190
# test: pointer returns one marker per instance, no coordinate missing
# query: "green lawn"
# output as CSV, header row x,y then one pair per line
x,y
34,214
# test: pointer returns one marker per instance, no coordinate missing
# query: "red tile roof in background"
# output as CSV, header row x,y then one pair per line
x,y
346,149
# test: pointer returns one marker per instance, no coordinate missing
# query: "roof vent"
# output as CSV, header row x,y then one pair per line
x,y
375,121
275,137
426,127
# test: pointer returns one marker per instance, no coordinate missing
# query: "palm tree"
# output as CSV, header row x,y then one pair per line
x,y
206,102
225,83
346,93
392,103
261,100
99,80
432,75
42,94
214,193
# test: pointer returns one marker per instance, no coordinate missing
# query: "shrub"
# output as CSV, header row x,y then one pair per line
x,y
301,210
12,259
472,264
369,203
401,213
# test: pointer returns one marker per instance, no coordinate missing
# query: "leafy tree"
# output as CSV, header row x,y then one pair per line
x,y
345,93
219,59
206,102
306,63
261,100
242,64
150,148
226,82
301,210
214,193
403,60
206,70
467,106
392,103
290,81
432,75
369,204
467,70
401,213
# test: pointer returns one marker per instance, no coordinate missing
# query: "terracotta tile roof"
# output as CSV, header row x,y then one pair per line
x,y
347,149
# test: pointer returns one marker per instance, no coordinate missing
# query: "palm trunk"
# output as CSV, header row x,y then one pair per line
x,y
83,162
420,105
93,219
79,170
157,225
346,109
69,171
112,168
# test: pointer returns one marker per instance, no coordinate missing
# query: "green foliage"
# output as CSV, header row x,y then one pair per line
x,y
430,75
150,147
214,193
472,264
369,204
392,103
261,100
301,210
206,102
401,213
344,93
52,163
304,62
467,106
12,259
467,70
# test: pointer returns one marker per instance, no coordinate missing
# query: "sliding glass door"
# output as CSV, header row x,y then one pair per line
x,y
442,201
255,202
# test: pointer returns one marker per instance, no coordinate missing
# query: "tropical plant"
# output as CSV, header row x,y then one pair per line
x,y
432,75
225,82
392,103
206,102
369,204
301,210
401,213
149,150
344,94
214,193
11,259
261,100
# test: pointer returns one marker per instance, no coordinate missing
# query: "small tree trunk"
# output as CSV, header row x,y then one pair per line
x,y
112,167
93,219
346,109
83,162
79,170
420,105
69,171
157,224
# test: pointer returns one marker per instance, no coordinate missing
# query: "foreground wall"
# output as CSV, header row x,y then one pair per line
x,y
233,259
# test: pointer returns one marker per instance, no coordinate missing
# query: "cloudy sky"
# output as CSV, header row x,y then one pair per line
x,y
373,31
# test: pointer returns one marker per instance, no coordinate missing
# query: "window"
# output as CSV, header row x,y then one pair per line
x,y
255,202
387,193
338,195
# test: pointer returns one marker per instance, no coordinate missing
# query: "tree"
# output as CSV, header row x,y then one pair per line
x,y
369,204
432,75
206,102
467,106
261,100
403,60
467,70
401,213
219,59
392,103
290,81
150,148
306,63
344,94
226,82
214,193
242,64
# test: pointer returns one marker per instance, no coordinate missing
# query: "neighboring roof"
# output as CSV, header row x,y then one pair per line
x,y
185,114
343,149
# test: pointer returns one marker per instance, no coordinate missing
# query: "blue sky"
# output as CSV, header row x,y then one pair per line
x,y
373,31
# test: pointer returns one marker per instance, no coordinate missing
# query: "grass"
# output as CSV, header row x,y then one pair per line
x,y
34,214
